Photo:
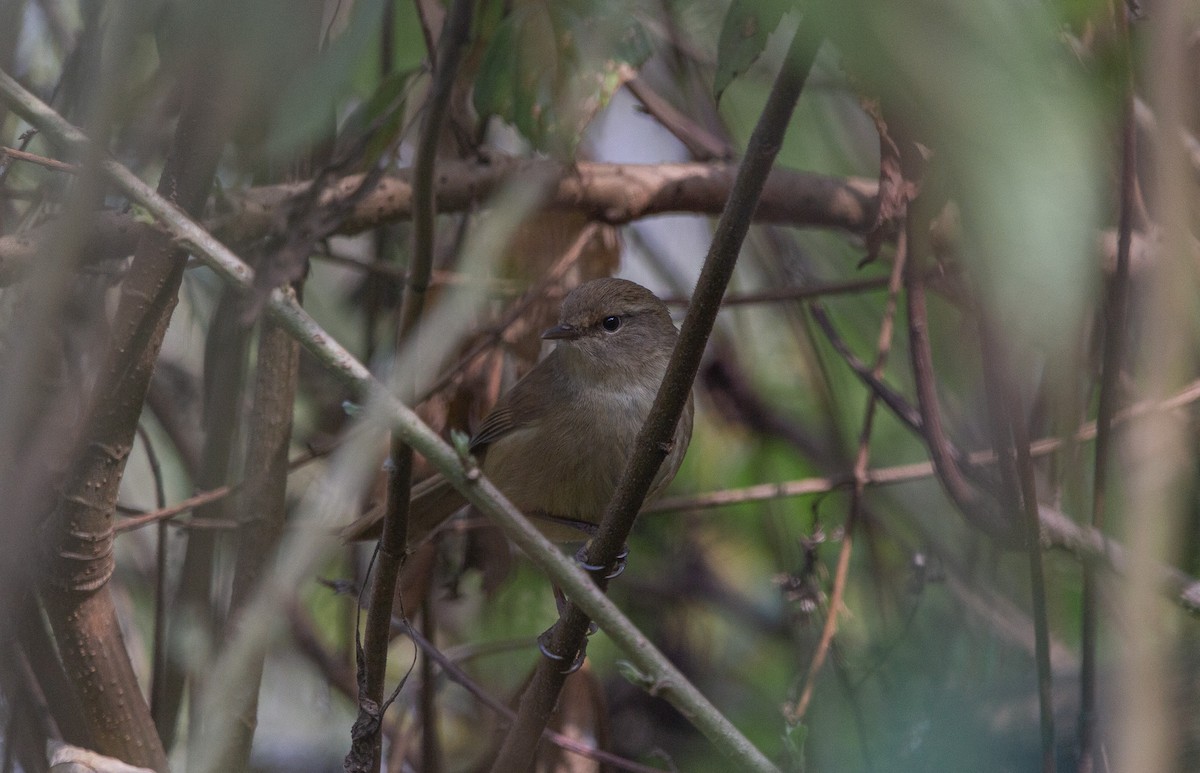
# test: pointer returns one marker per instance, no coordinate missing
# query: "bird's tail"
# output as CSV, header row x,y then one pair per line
x,y
433,501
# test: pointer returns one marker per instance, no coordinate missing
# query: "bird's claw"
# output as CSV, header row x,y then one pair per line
x,y
543,642
608,572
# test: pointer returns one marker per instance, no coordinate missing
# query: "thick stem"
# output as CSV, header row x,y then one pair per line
x,y
262,512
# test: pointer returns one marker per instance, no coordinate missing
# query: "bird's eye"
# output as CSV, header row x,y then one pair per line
x,y
611,324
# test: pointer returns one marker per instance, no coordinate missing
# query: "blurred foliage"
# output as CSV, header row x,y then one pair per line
x,y
1013,110
551,66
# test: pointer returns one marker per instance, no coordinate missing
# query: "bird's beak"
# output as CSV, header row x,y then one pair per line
x,y
561,333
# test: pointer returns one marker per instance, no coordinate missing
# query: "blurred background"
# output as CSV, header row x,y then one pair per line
x,y
939,511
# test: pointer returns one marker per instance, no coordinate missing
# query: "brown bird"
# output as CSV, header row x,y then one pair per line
x,y
557,442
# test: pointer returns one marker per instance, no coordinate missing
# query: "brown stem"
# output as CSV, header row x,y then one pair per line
x,y
975,506
701,143
77,598
158,663
262,512
610,193
456,674
431,748
33,158
225,361
204,497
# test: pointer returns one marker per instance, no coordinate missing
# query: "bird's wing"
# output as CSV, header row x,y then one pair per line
x,y
498,423
433,500
520,407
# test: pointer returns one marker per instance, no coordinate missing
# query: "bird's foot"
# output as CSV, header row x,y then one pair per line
x,y
607,572
544,641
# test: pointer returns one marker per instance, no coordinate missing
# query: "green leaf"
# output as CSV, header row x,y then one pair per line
x,y
312,98
461,442
634,675
551,66
744,33
380,118
794,738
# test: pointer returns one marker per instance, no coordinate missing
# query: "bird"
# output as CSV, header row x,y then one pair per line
x,y
557,442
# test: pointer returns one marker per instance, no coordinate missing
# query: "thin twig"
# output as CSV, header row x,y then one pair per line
x,y
1116,309
783,294
203,498
158,661
34,158
1037,573
795,712
702,144
889,395
903,473
166,513
1018,493
431,751
400,273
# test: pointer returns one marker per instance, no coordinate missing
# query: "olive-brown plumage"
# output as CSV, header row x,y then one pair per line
x,y
557,442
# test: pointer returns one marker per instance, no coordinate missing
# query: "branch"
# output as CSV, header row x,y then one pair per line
x,y
975,505
610,193
33,158
701,143
261,514
226,358
460,677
